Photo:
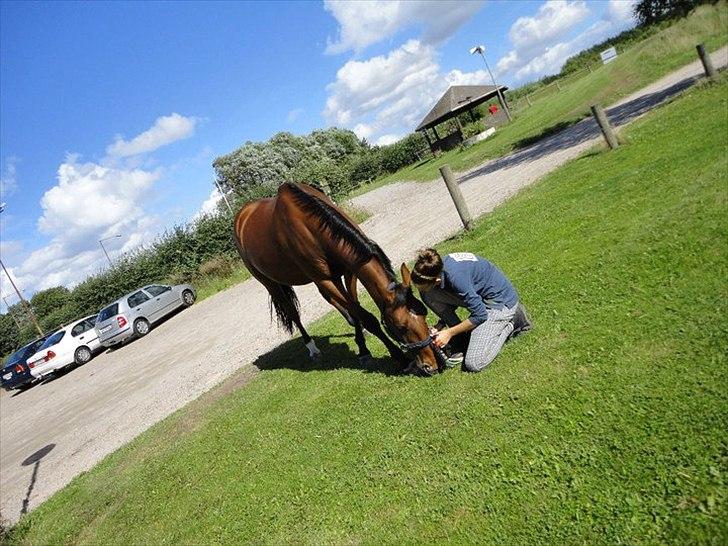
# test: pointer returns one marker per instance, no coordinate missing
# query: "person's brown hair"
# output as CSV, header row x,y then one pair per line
x,y
428,266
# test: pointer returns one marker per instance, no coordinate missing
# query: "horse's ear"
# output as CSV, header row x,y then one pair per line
x,y
406,277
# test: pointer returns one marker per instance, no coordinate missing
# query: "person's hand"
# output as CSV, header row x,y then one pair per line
x,y
436,328
442,338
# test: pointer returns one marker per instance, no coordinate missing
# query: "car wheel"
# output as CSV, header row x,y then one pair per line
x,y
188,298
82,355
141,327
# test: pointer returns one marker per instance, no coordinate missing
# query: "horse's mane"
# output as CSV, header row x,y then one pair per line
x,y
340,228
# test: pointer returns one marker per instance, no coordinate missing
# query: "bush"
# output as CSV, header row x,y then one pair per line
x,y
219,266
402,153
365,168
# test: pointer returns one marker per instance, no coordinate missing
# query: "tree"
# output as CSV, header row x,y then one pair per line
x,y
648,12
47,301
9,335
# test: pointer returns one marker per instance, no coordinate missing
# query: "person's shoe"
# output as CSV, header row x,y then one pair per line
x,y
455,359
521,321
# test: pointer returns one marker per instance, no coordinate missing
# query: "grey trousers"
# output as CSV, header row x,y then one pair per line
x,y
486,339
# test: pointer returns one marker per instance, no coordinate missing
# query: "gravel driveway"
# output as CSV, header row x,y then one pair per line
x,y
56,430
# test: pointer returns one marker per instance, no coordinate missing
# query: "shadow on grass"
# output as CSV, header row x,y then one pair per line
x,y
336,355
571,133
548,131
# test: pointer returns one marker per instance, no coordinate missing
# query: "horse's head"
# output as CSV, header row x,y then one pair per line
x,y
404,319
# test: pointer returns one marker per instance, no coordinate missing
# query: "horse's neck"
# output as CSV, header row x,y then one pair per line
x,y
375,279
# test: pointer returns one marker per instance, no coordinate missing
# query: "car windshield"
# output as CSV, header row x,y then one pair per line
x,y
24,352
108,312
53,340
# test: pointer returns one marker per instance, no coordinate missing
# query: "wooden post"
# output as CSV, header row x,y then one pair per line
x,y
456,194
434,130
557,85
528,101
605,126
707,61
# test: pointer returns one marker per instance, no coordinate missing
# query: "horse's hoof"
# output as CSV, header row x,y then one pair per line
x,y
315,357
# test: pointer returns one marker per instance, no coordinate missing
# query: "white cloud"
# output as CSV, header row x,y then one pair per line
x,y
209,206
384,140
553,20
89,202
294,114
390,94
8,179
366,23
539,48
166,129
621,11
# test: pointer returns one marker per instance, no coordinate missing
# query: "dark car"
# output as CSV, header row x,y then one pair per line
x,y
16,372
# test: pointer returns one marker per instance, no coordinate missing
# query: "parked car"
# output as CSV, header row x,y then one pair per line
x,y
16,372
134,314
72,344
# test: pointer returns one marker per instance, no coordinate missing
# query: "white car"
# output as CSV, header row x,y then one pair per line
x,y
72,344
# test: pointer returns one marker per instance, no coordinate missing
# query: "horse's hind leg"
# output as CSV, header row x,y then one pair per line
x,y
285,304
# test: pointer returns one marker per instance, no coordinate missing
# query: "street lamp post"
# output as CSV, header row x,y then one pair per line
x,y
481,49
101,242
223,196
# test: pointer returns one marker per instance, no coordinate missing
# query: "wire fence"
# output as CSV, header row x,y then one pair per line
x,y
551,89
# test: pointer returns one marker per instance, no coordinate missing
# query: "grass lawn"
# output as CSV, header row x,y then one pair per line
x,y
635,68
606,424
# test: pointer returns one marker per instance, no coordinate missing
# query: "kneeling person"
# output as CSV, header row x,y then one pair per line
x,y
466,280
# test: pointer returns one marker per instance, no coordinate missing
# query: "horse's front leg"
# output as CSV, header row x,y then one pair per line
x,y
370,322
334,292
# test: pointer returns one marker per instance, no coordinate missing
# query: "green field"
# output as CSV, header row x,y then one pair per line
x,y
606,424
635,68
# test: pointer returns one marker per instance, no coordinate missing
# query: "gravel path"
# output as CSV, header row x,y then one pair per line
x,y
82,416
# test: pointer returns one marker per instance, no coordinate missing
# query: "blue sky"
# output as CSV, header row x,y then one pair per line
x,y
112,113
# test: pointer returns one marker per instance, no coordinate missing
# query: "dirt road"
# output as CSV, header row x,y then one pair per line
x,y
77,419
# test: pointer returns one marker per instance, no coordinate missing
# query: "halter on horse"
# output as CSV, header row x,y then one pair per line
x,y
300,236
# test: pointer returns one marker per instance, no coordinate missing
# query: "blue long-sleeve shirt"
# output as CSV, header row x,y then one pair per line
x,y
478,282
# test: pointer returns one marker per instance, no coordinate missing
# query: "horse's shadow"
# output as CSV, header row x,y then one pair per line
x,y
336,355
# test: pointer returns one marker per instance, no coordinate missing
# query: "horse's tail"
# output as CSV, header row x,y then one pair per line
x,y
285,303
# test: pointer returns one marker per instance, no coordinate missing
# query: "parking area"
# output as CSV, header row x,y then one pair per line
x,y
63,426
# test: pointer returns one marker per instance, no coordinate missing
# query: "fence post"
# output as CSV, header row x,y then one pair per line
x,y
528,101
707,61
557,85
456,194
605,126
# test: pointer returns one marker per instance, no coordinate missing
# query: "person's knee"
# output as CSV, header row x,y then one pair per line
x,y
474,364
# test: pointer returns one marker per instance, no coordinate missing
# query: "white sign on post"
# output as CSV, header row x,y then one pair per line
x,y
608,55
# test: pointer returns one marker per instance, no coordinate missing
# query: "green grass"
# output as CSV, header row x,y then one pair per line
x,y
606,424
649,60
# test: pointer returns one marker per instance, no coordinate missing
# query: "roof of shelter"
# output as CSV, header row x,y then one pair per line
x,y
457,99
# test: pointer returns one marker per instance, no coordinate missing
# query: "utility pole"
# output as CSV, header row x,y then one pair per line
x,y
27,306
12,315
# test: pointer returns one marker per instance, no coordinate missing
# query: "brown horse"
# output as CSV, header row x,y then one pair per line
x,y
300,237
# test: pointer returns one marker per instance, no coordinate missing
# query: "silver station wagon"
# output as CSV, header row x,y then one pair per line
x,y
134,314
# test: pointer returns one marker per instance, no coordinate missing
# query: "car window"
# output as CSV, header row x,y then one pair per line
x,y
108,312
23,353
157,290
137,298
79,329
53,340
89,323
